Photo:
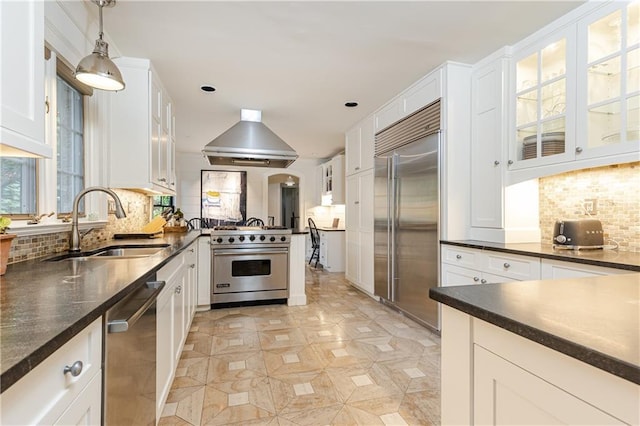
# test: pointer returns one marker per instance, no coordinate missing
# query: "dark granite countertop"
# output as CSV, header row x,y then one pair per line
x,y
595,320
606,258
331,229
44,304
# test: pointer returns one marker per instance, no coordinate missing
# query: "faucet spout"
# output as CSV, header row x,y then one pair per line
x,y
74,244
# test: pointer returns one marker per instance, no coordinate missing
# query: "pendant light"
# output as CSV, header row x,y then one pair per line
x,y
97,70
289,181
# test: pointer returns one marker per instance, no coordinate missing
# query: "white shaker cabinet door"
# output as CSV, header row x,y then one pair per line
x,y
22,79
505,394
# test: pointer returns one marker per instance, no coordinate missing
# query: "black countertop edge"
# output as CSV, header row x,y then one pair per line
x,y
542,254
20,369
597,359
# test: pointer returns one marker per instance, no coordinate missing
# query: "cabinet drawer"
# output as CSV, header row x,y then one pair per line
x,y
511,266
45,393
461,256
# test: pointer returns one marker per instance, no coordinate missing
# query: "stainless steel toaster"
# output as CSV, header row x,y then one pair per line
x,y
578,234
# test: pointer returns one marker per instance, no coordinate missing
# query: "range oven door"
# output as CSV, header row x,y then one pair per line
x,y
241,270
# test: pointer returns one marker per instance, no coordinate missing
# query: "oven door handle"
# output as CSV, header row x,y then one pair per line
x,y
240,252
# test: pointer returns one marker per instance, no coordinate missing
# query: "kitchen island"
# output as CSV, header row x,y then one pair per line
x,y
539,351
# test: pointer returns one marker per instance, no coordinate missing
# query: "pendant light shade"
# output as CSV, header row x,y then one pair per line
x,y
97,70
289,181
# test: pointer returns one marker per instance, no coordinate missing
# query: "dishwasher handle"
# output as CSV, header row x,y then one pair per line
x,y
143,298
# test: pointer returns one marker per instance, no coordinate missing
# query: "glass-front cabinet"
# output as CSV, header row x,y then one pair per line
x,y
609,80
544,79
576,91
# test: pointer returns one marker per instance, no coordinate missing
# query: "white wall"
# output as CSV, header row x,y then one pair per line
x,y
189,166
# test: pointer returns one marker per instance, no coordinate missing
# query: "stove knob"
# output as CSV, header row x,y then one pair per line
x,y
218,240
561,239
283,238
253,237
262,237
272,239
241,238
231,239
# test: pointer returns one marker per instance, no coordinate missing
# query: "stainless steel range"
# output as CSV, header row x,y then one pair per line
x,y
249,264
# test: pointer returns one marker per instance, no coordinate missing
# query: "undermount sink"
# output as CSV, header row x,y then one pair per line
x,y
113,252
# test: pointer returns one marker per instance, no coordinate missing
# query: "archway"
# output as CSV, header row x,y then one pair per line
x,y
283,198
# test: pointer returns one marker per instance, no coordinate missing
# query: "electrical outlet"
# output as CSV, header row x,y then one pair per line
x,y
111,207
590,206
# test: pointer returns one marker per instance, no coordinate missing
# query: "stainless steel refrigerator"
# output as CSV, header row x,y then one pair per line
x,y
407,213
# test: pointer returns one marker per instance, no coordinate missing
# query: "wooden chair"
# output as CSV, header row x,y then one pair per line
x,y
315,242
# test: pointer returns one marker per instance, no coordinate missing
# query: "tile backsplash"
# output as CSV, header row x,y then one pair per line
x,y
323,216
136,205
617,202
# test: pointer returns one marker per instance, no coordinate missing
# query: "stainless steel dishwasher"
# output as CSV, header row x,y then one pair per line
x,y
130,357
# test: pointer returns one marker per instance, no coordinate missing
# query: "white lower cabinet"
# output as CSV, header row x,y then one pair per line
x,y
175,309
332,250
493,376
506,394
204,274
555,269
463,266
48,395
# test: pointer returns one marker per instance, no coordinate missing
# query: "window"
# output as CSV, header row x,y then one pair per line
x,y
70,146
18,177
161,202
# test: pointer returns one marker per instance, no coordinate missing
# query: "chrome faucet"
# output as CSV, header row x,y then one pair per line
x,y
76,237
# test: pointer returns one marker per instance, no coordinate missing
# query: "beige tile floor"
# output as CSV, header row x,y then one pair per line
x,y
343,359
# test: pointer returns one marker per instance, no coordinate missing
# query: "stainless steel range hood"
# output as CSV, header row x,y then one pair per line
x,y
249,143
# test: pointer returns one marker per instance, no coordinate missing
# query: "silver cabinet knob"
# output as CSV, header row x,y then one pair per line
x,y
506,265
476,279
193,265
510,162
496,163
162,180
458,256
356,202
191,250
578,149
357,168
179,289
75,369
483,281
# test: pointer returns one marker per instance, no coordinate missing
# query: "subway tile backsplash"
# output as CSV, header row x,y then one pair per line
x,y
136,206
614,192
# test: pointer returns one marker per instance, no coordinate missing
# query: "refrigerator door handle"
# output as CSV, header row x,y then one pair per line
x,y
393,219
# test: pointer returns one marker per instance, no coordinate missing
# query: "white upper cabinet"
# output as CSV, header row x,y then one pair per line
x,y
420,94
576,93
488,109
22,79
609,80
142,131
359,147
332,181
544,101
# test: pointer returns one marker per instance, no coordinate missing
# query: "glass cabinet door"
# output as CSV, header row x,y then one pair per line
x,y
542,78
609,64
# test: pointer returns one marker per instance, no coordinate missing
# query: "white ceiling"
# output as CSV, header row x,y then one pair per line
x,y
299,62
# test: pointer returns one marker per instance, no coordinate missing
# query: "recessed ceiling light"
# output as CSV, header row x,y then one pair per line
x,y
351,104
207,88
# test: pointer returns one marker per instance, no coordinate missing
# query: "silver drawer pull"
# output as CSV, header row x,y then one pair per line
x,y
483,281
506,265
496,163
75,369
458,256
578,149
476,279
